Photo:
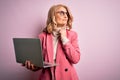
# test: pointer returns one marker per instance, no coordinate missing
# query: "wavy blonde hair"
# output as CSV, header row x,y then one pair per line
x,y
51,23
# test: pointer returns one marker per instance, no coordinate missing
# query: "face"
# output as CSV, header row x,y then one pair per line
x,y
61,16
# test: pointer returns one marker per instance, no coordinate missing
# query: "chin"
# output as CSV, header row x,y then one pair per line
x,y
62,24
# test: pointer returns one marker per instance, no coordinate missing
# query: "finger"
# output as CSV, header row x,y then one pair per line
x,y
59,30
32,66
28,64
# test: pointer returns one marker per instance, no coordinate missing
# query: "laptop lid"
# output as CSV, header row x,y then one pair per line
x,y
28,49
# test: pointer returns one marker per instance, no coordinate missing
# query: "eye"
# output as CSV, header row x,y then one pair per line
x,y
62,13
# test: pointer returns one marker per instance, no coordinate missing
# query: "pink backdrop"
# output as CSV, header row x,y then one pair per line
x,y
97,23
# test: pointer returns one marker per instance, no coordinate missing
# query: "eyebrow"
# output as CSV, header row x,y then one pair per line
x,y
61,10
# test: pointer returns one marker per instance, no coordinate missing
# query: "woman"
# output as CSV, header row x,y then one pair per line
x,y
60,45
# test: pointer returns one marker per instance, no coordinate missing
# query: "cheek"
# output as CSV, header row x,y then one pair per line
x,y
58,20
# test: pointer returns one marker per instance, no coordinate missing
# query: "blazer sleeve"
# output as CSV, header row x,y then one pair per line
x,y
72,49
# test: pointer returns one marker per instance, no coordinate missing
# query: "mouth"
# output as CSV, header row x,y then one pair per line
x,y
64,19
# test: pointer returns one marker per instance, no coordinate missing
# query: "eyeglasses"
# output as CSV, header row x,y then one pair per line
x,y
62,13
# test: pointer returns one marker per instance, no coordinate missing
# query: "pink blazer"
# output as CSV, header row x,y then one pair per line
x,y
67,55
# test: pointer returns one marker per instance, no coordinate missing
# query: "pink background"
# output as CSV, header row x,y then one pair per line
x,y
97,23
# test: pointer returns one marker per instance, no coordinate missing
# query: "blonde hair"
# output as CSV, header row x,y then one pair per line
x,y
51,23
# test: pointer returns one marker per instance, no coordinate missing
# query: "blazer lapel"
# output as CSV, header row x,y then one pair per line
x,y
50,47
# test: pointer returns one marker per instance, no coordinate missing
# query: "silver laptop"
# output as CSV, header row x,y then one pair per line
x,y
30,49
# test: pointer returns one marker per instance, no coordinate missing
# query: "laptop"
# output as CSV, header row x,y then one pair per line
x,y
30,49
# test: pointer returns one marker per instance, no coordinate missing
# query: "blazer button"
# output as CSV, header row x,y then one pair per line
x,y
66,69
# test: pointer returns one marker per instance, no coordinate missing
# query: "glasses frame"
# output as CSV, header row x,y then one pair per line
x,y
62,13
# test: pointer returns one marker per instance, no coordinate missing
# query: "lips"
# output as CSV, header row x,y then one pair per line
x,y
64,19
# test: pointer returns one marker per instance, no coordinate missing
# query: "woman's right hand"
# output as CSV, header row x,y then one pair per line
x,y
30,66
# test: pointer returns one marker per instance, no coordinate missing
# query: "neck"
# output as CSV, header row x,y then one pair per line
x,y
61,25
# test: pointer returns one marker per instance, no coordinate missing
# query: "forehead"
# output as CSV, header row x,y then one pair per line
x,y
61,9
